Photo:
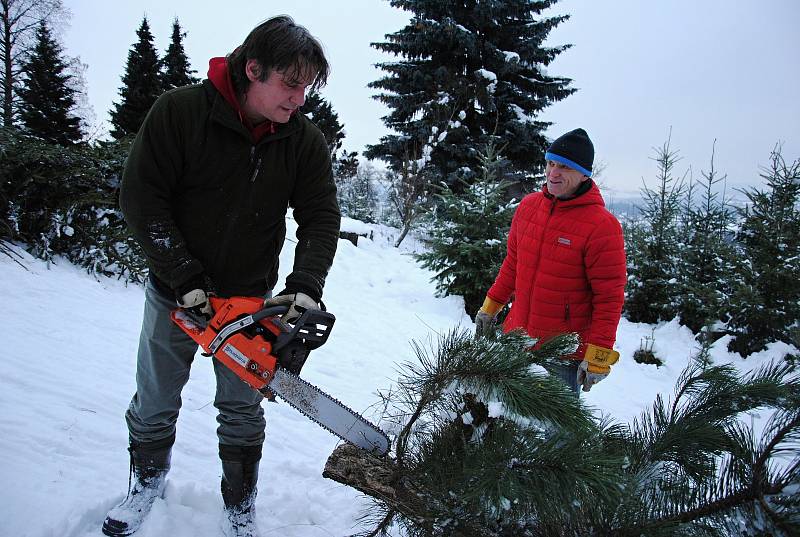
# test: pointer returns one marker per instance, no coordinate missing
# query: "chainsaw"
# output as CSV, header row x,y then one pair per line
x,y
267,353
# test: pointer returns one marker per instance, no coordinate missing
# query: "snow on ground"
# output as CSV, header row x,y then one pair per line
x,y
67,375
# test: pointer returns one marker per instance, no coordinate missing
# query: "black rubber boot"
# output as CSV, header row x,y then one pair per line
x,y
149,467
239,477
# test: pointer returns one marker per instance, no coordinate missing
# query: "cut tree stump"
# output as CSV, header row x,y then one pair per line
x,y
365,472
378,477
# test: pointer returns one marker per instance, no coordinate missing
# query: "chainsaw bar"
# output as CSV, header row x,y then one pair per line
x,y
328,412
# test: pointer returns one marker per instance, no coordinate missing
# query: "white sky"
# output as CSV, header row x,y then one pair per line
x,y
709,69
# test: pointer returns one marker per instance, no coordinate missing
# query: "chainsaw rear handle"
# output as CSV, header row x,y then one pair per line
x,y
312,327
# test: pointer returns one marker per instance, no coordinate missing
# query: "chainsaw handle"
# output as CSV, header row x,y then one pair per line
x,y
280,309
271,311
313,327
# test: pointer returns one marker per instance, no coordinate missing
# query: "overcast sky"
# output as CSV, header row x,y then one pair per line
x,y
708,69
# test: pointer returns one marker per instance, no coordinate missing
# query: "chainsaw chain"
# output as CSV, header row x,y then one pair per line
x,y
336,401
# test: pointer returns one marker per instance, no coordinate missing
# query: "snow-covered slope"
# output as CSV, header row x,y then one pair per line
x,y
67,375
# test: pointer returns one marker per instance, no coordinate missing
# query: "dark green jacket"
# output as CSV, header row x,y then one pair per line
x,y
202,199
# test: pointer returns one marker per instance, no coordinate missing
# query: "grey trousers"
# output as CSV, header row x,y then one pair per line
x,y
162,370
567,371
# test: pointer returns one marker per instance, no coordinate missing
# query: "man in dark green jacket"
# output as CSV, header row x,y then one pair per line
x,y
205,192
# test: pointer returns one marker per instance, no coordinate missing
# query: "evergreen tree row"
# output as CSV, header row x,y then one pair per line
x,y
719,268
61,200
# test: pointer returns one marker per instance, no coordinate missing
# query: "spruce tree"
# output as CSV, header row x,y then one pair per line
x,y
469,234
651,281
766,301
176,71
141,85
475,71
320,111
47,98
706,259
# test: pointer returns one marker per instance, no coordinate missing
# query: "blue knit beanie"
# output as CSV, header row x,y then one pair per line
x,y
574,149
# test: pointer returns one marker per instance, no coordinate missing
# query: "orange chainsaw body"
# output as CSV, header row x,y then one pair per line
x,y
248,352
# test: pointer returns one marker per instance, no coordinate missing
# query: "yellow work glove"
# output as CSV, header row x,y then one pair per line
x,y
485,318
596,365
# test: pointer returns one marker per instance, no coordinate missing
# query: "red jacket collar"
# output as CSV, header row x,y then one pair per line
x,y
220,76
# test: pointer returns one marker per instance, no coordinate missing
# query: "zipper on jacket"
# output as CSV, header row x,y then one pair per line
x,y
566,311
543,234
256,171
257,168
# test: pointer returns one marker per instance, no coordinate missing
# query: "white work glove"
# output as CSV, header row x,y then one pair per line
x,y
586,378
596,365
298,304
484,324
196,302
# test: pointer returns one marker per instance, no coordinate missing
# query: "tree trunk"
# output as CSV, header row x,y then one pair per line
x,y
406,228
8,75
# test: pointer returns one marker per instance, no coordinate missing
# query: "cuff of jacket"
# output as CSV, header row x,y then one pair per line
x,y
198,281
300,282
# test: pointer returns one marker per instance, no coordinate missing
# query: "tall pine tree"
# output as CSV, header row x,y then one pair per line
x,y
47,98
176,69
474,72
766,301
141,85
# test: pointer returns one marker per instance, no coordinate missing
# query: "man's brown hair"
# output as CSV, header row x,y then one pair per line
x,y
280,44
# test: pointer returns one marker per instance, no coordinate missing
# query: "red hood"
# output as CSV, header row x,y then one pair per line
x,y
219,75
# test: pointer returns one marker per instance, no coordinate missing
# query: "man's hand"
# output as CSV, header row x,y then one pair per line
x,y
485,318
196,302
298,304
596,365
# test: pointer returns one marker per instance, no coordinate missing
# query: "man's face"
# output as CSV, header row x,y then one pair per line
x,y
275,98
563,181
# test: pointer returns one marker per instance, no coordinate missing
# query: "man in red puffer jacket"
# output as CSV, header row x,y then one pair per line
x,y
565,265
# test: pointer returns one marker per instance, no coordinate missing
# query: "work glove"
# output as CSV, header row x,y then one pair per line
x,y
196,302
596,365
193,297
485,318
298,304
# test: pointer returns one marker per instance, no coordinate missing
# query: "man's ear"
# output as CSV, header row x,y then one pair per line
x,y
253,70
